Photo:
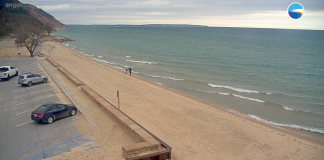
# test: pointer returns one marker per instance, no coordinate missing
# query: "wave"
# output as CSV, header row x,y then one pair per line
x,y
157,76
66,44
295,126
233,88
287,108
100,60
251,99
228,94
88,55
144,62
221,93
158,83
128,56
100,56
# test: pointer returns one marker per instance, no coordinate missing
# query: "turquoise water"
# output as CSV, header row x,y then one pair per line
x,y
270,75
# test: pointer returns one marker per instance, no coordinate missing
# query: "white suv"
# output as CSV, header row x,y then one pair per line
x,y
8,71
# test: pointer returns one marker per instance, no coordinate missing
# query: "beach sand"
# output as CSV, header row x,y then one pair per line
x,y
9,50
193,129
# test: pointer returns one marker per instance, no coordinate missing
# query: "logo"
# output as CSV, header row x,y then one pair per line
x,y
295,10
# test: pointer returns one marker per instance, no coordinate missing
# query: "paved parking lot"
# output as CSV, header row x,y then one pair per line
x,y
22,138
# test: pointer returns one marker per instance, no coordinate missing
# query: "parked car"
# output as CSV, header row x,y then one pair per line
x,y
48,113
8,71
28,79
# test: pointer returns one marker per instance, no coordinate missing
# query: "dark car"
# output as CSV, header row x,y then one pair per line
x,y
47,113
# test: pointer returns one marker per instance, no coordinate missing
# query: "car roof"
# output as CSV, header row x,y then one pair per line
x,y
47,105
28,74
5,66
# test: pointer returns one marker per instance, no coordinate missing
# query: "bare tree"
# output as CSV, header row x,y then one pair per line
x,y
29,36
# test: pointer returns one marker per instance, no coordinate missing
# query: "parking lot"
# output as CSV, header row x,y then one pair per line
x,y
21,138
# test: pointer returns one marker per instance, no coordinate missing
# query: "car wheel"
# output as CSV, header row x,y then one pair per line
x,y
16,73
50,120
30,83
44,80
73,112
8,77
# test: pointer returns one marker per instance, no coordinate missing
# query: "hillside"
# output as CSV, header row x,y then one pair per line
x,y
14,14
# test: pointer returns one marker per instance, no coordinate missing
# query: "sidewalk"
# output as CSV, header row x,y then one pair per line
x,y
67,90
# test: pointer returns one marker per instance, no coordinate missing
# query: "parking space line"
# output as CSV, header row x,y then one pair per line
x,y
24,123
48,129
35,100
35,92
30,87
24,66
30,70
25,111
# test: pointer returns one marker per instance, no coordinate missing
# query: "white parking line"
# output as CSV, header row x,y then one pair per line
x,y
25,66
29,70
35,100
30,87
35,92
33,109
25,111
24,123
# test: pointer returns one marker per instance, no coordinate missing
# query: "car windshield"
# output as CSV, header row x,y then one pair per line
x,y
41,109
3,69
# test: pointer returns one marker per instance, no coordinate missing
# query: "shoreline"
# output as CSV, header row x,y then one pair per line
x,y
318,138
198,109
304,134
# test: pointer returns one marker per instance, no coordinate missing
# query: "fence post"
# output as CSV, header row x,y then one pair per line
x,y
118,99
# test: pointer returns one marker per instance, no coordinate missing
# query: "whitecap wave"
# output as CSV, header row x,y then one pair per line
x,y
221,93
158,83
144,62
251,99
67,44
312,129
157,76
233,88
287,108
88,55
100,56
128,56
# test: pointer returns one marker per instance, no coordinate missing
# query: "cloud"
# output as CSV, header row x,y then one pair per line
x,y
239,13
55,7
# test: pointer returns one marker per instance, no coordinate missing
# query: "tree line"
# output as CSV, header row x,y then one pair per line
x,y
20,22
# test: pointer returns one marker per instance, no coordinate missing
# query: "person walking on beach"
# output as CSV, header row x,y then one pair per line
x,y
130,70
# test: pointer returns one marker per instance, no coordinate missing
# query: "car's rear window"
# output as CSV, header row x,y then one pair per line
x,y
21,77
3,69
41,108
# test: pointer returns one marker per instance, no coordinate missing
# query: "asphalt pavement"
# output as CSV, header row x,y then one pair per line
x,y
21,138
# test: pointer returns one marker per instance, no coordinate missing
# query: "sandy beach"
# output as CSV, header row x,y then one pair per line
x,y
8,49
193,129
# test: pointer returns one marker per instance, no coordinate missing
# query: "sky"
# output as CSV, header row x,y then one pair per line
x,y
213,13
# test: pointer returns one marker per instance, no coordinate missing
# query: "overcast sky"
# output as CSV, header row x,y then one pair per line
x,y
218,13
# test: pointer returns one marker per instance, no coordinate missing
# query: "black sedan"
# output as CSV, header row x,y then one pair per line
x,y
47,113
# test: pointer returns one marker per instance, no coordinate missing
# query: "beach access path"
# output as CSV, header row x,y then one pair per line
x,y
193,129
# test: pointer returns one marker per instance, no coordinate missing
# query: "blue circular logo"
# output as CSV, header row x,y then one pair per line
x,y
295,10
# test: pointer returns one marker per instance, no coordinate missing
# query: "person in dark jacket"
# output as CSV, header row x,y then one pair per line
x,y
130,70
